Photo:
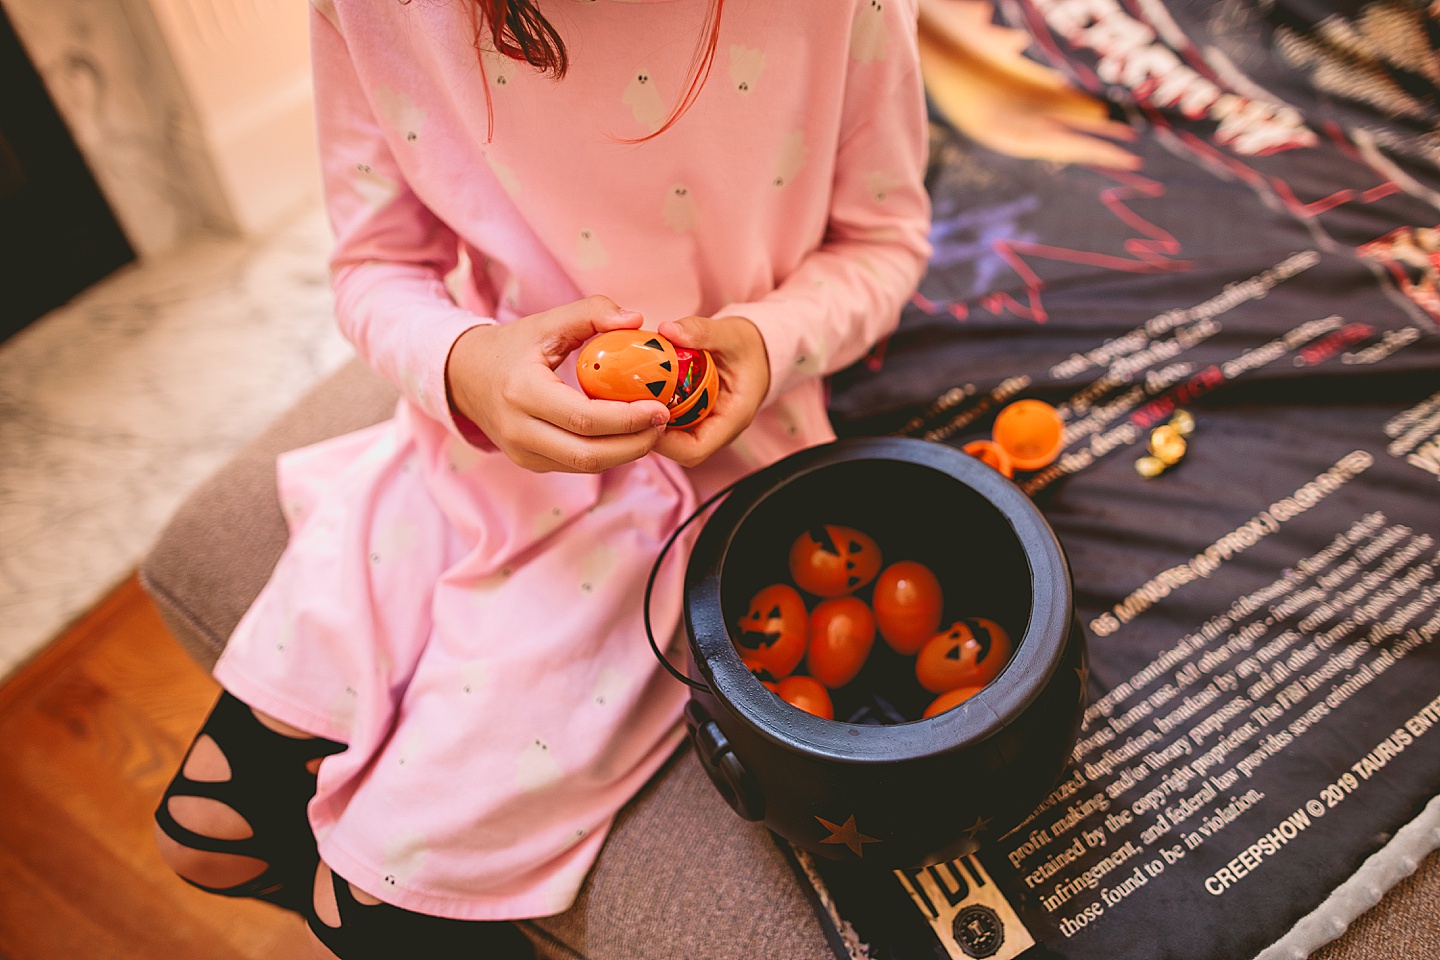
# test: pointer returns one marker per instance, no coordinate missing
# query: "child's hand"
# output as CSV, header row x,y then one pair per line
x,y
502,376
743,364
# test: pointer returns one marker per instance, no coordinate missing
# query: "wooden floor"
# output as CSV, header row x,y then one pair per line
x,y
90,733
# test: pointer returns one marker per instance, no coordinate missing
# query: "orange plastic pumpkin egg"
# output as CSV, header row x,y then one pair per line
x,y
695,391
1031,432
831,561
991,454
773,631
908,604
759,672
808,694
949,700
969,654
842,631
628,365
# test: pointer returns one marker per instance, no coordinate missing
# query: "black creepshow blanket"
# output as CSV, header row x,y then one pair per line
x,y
1262,617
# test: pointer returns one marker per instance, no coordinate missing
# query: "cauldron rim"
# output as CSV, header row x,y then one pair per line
x,y
974,721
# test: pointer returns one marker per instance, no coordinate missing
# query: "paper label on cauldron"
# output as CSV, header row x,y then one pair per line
x,y
970,916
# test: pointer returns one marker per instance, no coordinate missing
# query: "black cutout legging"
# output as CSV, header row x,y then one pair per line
x,y
270,787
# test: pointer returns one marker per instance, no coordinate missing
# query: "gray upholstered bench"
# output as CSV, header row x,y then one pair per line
x,y
681,876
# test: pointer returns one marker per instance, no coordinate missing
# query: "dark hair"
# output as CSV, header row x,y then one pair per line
x,y
520,31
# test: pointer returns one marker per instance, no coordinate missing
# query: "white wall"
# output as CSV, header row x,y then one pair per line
x,y
194,115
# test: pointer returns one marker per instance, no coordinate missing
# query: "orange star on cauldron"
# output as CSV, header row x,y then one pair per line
x,y
848,834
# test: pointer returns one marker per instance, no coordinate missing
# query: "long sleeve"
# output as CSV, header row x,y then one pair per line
x,y
392,253
847,294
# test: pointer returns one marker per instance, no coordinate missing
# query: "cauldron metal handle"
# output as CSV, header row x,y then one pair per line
x,y
650,587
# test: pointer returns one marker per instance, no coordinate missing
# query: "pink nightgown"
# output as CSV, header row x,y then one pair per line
x,y
473,630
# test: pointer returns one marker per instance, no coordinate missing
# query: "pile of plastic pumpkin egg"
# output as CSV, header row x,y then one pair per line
x,y
802,650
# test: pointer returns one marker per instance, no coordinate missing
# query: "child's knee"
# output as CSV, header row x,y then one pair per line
x,y
326,906
214,871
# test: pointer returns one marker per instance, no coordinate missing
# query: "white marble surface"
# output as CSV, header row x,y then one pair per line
x,y
113,407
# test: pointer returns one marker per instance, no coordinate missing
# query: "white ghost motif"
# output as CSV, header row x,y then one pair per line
x,y
869,36
285,633
459,455
342,707
402,856
879,183
374,188
791,158
610,686
474,676
547,521
535,768
403,115
644,100
590,252
746,65
595,566
412,747
679,210
499,69
393,542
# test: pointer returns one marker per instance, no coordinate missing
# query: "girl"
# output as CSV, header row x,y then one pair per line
x,y
455,626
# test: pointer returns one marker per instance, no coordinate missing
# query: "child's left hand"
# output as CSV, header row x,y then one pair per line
x,y
743,364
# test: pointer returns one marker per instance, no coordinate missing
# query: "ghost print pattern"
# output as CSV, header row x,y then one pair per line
x,y
536,767
374,188
590,250
610,687
499,69
400,113
403,855
643,98
678,209
869,36
746,65
790,159
596,566
393,542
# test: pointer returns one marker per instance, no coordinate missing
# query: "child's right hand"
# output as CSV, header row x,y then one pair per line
x,y
502,376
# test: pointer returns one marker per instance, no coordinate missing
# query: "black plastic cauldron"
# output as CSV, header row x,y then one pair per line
x,y
871,785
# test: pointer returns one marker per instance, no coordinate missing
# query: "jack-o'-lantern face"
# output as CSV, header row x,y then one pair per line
x,y
831,561
695,392
774,631
760,672
628,365
969,654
